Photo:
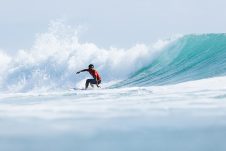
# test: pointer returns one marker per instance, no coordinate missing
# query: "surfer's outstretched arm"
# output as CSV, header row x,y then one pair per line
x,y
81,71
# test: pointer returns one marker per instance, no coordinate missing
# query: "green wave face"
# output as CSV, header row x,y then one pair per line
x,y
191,57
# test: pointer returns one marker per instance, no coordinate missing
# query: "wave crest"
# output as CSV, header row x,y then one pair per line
x,y
189,58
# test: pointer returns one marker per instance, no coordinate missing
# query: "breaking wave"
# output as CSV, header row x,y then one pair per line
x,y
56,55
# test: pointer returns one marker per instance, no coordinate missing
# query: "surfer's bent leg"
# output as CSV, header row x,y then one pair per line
x,y
91,82
88,81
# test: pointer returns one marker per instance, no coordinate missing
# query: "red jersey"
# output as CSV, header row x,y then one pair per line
x,y
95,74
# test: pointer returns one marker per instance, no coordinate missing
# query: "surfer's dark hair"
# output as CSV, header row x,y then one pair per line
x,y
91,66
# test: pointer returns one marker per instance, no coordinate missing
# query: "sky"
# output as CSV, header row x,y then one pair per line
x,y
117,23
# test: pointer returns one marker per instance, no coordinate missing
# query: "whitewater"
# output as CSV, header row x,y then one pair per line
x,y
169,95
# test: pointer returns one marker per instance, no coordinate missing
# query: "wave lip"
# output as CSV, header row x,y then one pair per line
x,y
191,57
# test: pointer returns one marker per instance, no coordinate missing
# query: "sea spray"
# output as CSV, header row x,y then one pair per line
x,y
56,55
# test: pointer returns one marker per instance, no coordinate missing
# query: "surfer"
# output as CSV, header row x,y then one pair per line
x,y
96,77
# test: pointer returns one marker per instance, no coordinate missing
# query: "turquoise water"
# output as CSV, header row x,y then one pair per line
x,y
191,57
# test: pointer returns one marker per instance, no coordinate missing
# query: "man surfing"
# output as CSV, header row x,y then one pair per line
x,y
96,77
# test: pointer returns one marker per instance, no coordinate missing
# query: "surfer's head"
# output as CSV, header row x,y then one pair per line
x,y
91,66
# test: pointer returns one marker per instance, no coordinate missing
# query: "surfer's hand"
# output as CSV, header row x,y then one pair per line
x,y
77,72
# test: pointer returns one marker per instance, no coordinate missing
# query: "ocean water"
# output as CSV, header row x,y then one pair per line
x,y
170,95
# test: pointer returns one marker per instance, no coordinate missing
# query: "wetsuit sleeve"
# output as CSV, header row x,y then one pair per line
x,y
84,70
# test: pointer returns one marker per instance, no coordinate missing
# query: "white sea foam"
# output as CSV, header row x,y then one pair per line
x,y
4,61
56,55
